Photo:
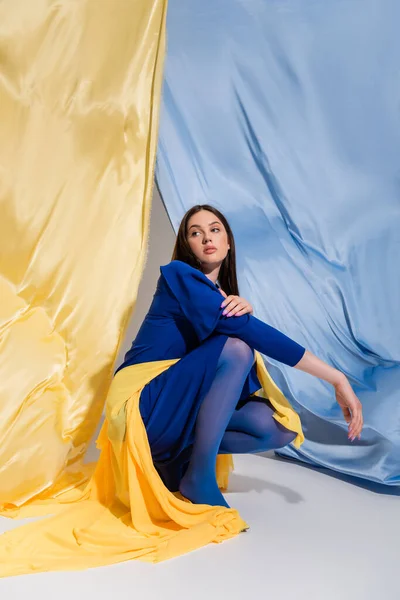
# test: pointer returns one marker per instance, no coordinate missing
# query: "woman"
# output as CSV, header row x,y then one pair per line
x,y
181,403
205,404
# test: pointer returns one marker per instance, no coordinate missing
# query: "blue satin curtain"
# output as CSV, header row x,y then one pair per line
x,y
285,115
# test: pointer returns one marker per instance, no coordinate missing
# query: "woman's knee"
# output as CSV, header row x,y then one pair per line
x,y
279,438
257,419
236,351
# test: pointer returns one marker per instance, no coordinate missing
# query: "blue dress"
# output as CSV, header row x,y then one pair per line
x,y
185,321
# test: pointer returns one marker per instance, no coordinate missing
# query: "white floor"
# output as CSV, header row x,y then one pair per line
x,y
311,536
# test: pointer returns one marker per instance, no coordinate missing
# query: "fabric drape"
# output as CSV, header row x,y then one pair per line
x,y
80,90
287,120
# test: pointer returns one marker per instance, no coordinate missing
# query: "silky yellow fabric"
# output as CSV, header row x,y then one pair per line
x,y
79,99
125,512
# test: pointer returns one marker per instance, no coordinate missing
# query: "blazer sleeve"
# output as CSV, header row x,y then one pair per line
x,y
201,302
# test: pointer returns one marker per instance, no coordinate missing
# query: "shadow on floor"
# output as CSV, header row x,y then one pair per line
x,y
378,488
242,484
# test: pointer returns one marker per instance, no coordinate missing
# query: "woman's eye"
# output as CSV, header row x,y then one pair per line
x,y
194,233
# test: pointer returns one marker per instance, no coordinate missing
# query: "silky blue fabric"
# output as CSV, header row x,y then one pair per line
x,y
286,116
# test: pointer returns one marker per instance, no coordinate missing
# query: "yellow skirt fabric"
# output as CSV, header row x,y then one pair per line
x,y
125,512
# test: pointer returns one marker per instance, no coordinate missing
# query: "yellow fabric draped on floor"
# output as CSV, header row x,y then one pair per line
x,y
125,511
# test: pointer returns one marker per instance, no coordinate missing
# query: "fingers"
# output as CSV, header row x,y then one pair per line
x,y
231,299
347,414
243,311
228,300
235,306
351,407
228,304
356,423
239,308
232,304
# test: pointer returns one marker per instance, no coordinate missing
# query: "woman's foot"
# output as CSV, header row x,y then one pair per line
x,y
202,490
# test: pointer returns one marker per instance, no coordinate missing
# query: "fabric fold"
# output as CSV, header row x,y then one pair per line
x,y
80,92
125,511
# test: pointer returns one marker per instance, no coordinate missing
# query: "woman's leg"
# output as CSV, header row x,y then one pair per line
x,y
199,483
253,429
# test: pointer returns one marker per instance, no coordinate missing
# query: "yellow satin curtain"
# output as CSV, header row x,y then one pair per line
x,y
80,84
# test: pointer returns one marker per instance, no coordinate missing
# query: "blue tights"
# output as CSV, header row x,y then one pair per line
x,y
220,429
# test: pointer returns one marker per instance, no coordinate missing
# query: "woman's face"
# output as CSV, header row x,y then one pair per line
x,y
207,238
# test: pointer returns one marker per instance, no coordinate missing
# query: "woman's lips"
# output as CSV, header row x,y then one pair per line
x,y
210,250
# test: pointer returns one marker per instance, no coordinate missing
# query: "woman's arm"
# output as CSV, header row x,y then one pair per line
x,y
262,337
201,303
309,363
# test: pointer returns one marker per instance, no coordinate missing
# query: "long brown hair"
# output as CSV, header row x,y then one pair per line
x,y
227,273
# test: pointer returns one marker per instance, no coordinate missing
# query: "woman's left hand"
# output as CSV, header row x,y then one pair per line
x,y
351,408
235,306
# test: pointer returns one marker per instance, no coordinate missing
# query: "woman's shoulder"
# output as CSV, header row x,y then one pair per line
x,y
178,266
177,270
174,264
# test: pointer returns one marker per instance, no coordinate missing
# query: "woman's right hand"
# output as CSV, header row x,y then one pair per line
x,y
237,306
351,407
